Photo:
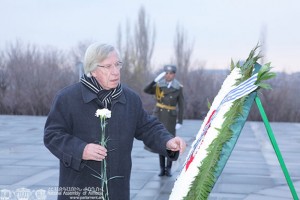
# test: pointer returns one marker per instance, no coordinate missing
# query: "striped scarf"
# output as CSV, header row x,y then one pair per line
x,y
105,96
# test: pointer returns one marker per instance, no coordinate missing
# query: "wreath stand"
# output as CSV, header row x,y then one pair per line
x,y
275,147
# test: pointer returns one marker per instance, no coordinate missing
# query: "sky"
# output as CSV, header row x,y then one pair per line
x,y
218,30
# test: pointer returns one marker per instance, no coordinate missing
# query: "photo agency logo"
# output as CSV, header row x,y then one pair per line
x,y
23,194
40,194
5,194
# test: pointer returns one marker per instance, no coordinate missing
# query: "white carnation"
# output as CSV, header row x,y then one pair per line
x,y
103,113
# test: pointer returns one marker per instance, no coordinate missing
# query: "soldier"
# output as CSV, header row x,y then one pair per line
x,y
169,106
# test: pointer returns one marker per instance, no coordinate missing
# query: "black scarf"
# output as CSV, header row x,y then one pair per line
x,y
105,97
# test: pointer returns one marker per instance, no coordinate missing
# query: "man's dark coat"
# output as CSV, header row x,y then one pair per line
x,y
72,124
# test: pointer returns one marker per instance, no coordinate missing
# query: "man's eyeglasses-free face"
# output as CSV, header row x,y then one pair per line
x,y
118,65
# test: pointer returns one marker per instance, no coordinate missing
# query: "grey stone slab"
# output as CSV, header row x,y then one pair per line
x,y
133,193
238,188
265,197
226,196
20,170
146,193
36,178
247,179
162,197
37,162
137,197
145,175
137,184
245,170
167,187
7,161
279,192
156,184
49,182
10,179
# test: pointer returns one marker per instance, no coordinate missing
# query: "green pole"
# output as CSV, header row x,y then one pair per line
x,y
275,147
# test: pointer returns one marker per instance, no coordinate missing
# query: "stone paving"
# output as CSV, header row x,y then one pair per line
x,y
252,171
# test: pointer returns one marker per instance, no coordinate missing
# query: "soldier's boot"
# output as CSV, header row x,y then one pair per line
x,y
162,165
168,168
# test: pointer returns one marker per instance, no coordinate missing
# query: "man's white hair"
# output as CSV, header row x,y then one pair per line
x,y
96,53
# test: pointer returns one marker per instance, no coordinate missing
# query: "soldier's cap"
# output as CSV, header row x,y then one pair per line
x,y
170,68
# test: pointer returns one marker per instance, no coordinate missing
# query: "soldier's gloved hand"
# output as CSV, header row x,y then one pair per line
x,y
160,76
178,126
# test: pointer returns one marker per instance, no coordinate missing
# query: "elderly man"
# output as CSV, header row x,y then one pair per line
x,y
73,132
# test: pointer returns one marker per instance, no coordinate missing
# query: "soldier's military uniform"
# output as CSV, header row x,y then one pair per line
x,y
168,109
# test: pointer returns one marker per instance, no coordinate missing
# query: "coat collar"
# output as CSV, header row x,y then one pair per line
x,y
89,96
175,84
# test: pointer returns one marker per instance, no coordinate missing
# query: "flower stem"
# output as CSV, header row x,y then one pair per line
x,y
104,182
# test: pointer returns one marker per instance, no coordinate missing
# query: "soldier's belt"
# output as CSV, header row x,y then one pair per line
x,y
160,105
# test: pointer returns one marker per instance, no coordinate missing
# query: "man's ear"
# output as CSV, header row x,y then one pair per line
x,y
93,73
